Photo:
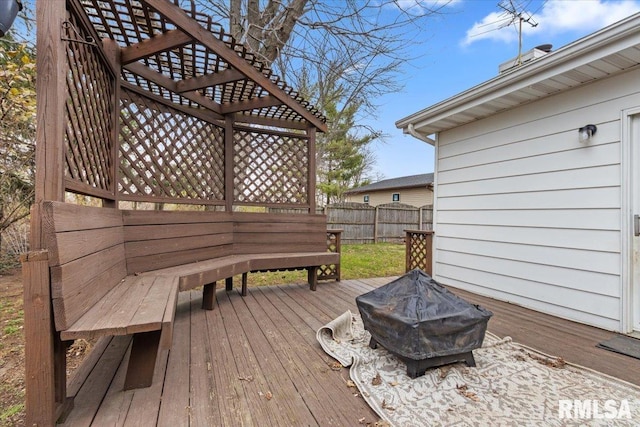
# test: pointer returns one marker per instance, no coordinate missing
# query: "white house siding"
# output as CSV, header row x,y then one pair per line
x,y
527,213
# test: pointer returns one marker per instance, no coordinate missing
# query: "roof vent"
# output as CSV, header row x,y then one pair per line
x,y
535,53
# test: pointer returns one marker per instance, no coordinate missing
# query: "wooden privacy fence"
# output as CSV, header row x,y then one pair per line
x,y
383,223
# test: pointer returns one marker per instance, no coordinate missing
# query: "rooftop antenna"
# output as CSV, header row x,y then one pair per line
x,y
516,15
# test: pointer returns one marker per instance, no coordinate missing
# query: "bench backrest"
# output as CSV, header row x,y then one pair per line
x,y
272,233
159,239
86,256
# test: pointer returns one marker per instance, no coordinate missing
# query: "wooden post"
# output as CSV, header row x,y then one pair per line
x,y
375,226
228,162
51,95
39,340
44,357
311,180
112,52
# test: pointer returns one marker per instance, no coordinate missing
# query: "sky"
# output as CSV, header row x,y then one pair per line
x,y
463,49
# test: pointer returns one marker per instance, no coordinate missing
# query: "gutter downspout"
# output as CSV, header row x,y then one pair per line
x,y
419,136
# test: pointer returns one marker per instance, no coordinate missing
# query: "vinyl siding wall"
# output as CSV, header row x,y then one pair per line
x,y
417,197
527,213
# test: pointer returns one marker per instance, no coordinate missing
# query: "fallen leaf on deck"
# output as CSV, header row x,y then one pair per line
x,y
268,396
463,390
377,380
387,406
335,366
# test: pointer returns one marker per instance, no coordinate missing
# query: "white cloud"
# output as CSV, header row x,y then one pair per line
x,y
556,16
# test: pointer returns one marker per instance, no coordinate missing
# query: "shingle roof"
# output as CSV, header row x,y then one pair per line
x,y
421,180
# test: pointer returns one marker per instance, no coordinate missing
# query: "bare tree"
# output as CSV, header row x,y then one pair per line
x,y
342,55
371,39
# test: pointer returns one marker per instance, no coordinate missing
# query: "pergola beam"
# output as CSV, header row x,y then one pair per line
x,y
195,83
262,102
203,114
180,19
156,44
170,84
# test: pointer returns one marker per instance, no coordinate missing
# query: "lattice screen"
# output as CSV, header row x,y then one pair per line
x,y
90,101
418,250
332,271
166,155
270,169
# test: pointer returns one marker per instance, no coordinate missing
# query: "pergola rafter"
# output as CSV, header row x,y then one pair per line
x,y
188,54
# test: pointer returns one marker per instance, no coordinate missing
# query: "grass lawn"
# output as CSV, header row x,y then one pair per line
x,y
356,261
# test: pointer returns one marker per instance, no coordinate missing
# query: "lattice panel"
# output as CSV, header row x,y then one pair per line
x,y
89,114
270,169
326,272
130,22
419,250
168,155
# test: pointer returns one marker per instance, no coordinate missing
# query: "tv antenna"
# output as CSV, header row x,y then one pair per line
x,y
517,16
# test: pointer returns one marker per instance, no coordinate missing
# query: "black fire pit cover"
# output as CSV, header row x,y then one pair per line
x,y
417,318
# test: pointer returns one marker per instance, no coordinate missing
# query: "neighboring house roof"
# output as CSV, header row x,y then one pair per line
x,y
609,51
422,180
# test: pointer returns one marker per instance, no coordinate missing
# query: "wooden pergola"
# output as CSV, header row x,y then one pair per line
x,y
151,101
143,100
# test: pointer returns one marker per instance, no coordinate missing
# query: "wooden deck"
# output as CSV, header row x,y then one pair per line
x,y
255,361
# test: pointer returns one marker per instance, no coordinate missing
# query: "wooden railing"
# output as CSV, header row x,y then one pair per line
x,y
419,250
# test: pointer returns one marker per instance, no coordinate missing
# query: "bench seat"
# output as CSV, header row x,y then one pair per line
x,y
137,304
206,273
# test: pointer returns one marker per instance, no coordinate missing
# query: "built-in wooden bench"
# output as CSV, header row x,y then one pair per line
x,y
92,293
204,247
118,272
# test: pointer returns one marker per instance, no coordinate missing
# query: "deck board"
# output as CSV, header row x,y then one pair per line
x,y
223,362
174,408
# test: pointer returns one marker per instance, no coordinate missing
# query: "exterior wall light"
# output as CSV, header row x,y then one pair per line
x,y
8,11
586,132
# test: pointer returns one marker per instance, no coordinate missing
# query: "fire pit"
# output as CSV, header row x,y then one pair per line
x,y
422,323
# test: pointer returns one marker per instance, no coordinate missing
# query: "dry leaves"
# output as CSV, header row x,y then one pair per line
x,y
463,390
377,380
552,362
268,395
248,378
335,366
444,371
386,406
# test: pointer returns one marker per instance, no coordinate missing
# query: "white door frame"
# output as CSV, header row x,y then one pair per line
x,y
630,162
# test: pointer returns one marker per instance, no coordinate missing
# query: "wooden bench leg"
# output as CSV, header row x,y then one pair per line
x,y
244,284
209,296
142,361
228,284
312,277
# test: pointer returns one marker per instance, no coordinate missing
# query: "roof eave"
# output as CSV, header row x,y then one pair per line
x,y
614,38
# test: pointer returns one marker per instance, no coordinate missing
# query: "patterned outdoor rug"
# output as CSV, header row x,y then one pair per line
x,y
512,385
